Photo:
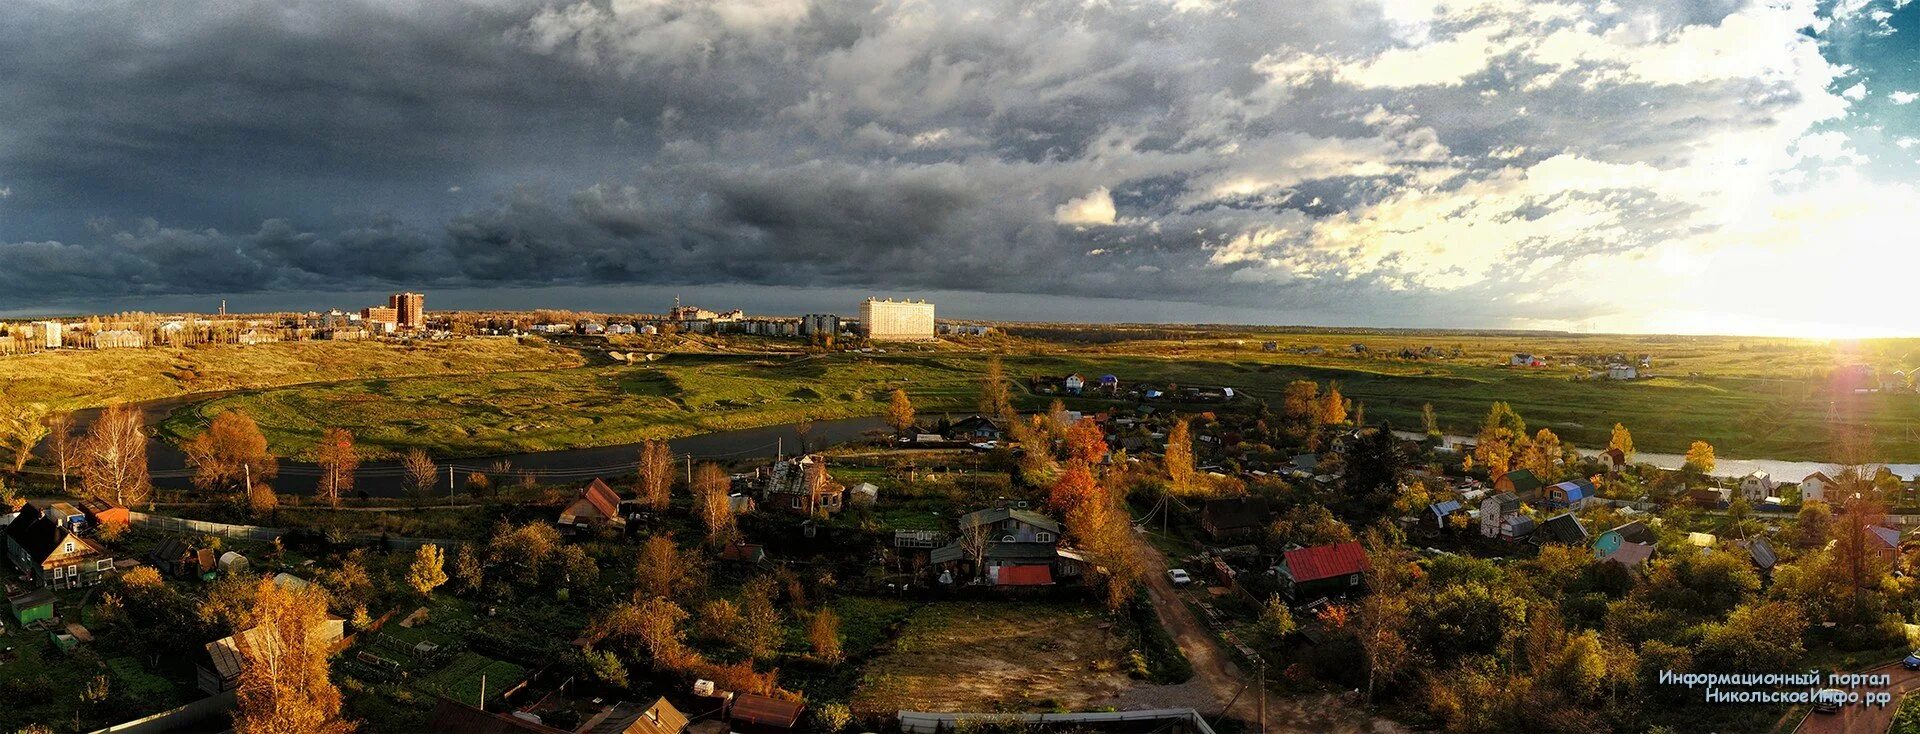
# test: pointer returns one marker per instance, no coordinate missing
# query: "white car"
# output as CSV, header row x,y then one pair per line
x,y
1179,576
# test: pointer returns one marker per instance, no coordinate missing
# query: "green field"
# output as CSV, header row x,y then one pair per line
x,y
1741,413
72,379
587,406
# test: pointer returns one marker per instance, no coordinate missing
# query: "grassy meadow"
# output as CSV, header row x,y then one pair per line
x,y
1750,397
71,379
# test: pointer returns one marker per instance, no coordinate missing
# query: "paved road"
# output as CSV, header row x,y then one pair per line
x,y
1217,679
1865,719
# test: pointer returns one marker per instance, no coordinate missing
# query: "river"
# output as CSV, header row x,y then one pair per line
x,y
168,464
1781,471
387,479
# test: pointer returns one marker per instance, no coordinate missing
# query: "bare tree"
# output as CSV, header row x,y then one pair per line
x,y
114,457
710,500
656,475
422,473
64,445
973,540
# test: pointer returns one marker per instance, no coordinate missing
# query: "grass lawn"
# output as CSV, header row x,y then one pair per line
x,y
998,656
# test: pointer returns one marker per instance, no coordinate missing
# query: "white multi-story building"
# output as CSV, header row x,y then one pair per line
x,y
896,320
49,334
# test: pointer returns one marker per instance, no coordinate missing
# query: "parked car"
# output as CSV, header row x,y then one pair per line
x,y
1829,700
1179,576
1912,662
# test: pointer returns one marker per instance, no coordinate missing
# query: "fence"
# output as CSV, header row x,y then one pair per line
x,y
255,532
194,716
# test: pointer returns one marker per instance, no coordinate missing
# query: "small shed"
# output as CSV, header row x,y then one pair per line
x,y
33,606
864,493
753,709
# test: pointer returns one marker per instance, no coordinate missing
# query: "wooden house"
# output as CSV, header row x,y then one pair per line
x,y
597,507
752,713
1323,571
1568,495
1234,518
1018,548
174,558
1521,482
49,553
801,486
1494,510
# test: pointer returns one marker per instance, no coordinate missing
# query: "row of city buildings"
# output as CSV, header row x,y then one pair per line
x,y
404,313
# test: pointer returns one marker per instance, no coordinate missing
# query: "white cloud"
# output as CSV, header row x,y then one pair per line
x,y
1903,97
1096,208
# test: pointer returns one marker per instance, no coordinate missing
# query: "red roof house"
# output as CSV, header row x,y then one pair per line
x,y
1323,570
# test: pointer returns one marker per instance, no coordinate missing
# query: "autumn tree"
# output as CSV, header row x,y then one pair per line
x,y
1621,439
663,570
1086,442
994,399
261,500
1429,422
899,411
467,569
1502,436
1103,530
422,473
429,569
64,446
760,628
652,625
1179,457
803,429
284,683
22,424
1302,409
1700,458
338,460
114,458
1543,456
823,633
231,452
656,475
1333,406
1074,487
524,550
710,489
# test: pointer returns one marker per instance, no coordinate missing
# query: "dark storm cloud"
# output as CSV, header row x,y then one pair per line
x,y
1245,148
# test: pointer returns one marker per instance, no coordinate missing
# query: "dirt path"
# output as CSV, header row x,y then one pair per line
x,y
1217,679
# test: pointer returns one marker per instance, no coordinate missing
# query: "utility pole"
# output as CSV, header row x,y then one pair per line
x,y
483,692
449,485
689,472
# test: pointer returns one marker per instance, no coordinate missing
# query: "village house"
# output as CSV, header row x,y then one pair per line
x,y
1521,482
1495,510
454,717
626,718
1614,460
1815,486
1568,495
801,486
975,429
219,671
174,558
1515,528
1321,571
1074,384
1630,555
1440,511
1886,542
50,554
1016,548
1756,487
1563,528
1631,532
1762,555
597,507
1234,518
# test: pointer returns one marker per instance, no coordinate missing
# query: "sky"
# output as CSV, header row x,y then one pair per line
x,y
1708,166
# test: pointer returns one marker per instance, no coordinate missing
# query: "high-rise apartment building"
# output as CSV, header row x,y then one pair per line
x,y
896,320
410,310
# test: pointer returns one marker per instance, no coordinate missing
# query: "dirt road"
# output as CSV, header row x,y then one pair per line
x,y
1217,679
1865,719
